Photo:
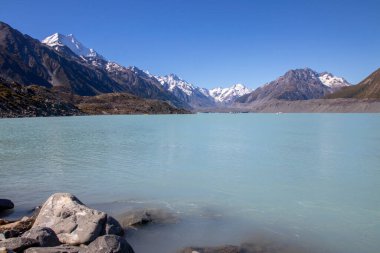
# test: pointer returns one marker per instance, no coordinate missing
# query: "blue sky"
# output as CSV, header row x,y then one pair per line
x,y
215,42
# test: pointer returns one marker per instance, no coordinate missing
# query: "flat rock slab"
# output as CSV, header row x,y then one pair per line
x,y
18,244
59,249
6,204
73,222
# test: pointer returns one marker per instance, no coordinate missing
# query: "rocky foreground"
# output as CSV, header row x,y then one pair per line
x,y
65,225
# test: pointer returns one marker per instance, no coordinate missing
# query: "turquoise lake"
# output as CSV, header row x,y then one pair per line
x,y
308,180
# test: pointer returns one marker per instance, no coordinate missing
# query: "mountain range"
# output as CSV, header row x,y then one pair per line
x,y
184,91
65,65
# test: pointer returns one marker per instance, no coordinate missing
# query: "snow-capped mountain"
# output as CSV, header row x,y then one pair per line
x,y
185,91
227,95
59,40
332,81
173,81
296,84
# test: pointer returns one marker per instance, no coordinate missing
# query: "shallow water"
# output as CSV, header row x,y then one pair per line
x,y
312,180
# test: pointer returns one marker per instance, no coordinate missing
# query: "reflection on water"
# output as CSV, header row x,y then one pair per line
x,y
308,179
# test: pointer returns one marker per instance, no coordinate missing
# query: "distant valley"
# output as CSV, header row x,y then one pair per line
x,y
72,79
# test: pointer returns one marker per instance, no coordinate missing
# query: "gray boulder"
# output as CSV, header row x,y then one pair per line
x,y
73,222
109,244
6,204
112,227
18,244
45,236
59,249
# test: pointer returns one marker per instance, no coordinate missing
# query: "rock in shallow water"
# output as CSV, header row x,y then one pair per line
x,y
6,204
137,218
45,236
73,222
221,249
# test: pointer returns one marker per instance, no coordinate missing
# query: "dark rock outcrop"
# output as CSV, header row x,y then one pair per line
x,y
6,204
46,237
124,103
32,101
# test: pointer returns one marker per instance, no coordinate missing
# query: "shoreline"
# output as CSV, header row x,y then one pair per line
x,y
221,236
337,105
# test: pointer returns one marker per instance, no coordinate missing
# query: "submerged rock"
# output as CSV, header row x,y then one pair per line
x,y
248,247
221,249
73,222
109,244
46,237
138,218
6,204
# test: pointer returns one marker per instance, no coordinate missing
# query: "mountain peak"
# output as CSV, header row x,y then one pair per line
x,y
60,40
305,73
238,86
138,71
174,77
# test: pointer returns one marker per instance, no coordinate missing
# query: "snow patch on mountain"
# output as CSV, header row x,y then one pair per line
x,y
59,40
332,81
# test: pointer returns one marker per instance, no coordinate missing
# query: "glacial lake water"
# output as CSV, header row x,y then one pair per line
x,y
310,182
